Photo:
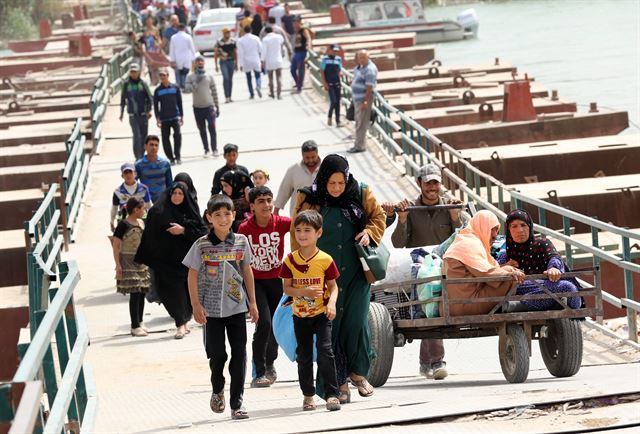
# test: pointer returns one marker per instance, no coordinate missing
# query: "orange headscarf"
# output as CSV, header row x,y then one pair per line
x,y
472,245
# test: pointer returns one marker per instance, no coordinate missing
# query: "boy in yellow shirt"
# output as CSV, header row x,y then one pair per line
x,y
310,278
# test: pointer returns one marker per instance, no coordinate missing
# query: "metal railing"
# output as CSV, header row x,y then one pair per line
x,y
401,136
74,177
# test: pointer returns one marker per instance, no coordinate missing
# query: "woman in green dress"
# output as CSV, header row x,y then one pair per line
x,y
351,214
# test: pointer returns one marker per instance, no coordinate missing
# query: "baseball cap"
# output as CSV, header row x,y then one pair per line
x,y
226,30
163,71
430,172
199,57
127,166
134,67
335,47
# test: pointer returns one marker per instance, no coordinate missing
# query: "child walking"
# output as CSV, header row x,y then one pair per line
x,y
132,278
221,288
310,278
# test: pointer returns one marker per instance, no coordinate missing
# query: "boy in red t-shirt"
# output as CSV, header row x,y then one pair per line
x,y
266,234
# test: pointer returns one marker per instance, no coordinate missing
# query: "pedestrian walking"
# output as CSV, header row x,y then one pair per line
x,y
153,170
129,188
301,46
245,21
249,59
182,12
221,290
277,12
205,104
364,80
167,105
131,277
331,66
266,234
173,225
226,55
298,176
351,214
170,32
182,53
256,25
287,23
136,97
230,153
310,278
272,60
271,22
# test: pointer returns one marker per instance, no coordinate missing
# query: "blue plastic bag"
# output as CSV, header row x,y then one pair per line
x,y
431,266
282,325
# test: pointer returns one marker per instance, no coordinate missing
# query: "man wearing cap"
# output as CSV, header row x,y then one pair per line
x,y
364,80
249,59
272,59
125,191
331,67
418,228
226,54
205,104
181,52
136,96
231,157
167,105
301,45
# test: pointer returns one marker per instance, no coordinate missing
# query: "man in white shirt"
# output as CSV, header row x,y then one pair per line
x,y
272,59
250,59
297,176
182,52
277,12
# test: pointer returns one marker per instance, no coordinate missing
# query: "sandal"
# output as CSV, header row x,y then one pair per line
x,y
364,388
239,413
308,403
217,402
333,403
344,395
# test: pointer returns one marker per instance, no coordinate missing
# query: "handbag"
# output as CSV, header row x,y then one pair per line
x,y
351,112
374,260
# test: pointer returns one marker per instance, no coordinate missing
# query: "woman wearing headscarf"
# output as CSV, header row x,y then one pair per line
x,y
236,184
186,180
173,225
256,25
351,214
535,255
470,256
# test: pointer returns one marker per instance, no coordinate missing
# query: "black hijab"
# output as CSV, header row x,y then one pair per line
x,y
256,24
350,201
239,180
534,254
186,179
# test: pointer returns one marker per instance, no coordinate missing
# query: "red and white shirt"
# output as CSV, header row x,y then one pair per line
x,y
267,245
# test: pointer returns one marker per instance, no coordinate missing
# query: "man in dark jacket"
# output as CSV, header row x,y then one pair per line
x,y
231,156
136,96
167,105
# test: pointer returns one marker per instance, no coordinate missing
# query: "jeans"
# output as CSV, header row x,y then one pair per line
x,y
278,75
227,67
334,100
265,347
165,128
214,341
136,308
204,116
249,81
305,328
181,76
140,129
297,67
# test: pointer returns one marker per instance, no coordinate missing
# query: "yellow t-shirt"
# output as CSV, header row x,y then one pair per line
x,y
309,273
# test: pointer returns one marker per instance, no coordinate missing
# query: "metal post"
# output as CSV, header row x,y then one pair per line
x,y
628,290
542,217
596,263
566,229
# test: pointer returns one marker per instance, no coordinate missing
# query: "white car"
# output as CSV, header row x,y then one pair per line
x,y
208,28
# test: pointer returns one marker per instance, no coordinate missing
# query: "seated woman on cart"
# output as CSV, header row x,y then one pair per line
x,y
535,255
470,256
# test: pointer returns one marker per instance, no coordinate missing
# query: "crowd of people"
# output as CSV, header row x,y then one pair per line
x,y
228,262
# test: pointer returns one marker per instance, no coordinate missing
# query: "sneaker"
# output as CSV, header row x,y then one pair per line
x,y
279,97
355,150
259,92
179,161
138,332
230,100
227,100
216,154
425,370
206,154
272,96
173,162
260,382
338,124
333,404
329,121
252,97
440,371
271,374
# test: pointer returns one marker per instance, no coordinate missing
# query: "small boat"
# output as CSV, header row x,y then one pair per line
x,y
363,17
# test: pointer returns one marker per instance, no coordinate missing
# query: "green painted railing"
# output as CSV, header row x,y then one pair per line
x,y
403,137
74,178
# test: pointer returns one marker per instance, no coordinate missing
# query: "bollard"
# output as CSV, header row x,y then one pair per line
x,y
67,21
44,28
517,102
77,12
338,15
554,95
497,61
593,107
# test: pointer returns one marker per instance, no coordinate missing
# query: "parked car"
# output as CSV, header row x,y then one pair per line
x,y
208,28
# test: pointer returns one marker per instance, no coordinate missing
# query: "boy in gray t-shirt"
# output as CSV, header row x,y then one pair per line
x,y
221,288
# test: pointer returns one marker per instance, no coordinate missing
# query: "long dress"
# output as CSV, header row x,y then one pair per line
x,y
135,277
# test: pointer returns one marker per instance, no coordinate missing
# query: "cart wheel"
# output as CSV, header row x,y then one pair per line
x,y
381,331
562,348
514,354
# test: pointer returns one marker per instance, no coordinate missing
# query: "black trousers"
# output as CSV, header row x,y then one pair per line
x,y
305,328
136,308
206,116
214,342
334,101
265,347
165,128
174,294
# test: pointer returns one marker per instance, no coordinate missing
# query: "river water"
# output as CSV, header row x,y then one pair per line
x,y
589,50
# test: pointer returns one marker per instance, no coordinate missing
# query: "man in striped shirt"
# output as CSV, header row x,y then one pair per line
x,y
153,170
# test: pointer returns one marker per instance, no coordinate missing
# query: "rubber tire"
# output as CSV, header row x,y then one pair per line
x,y
562,349
381,333
515,363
